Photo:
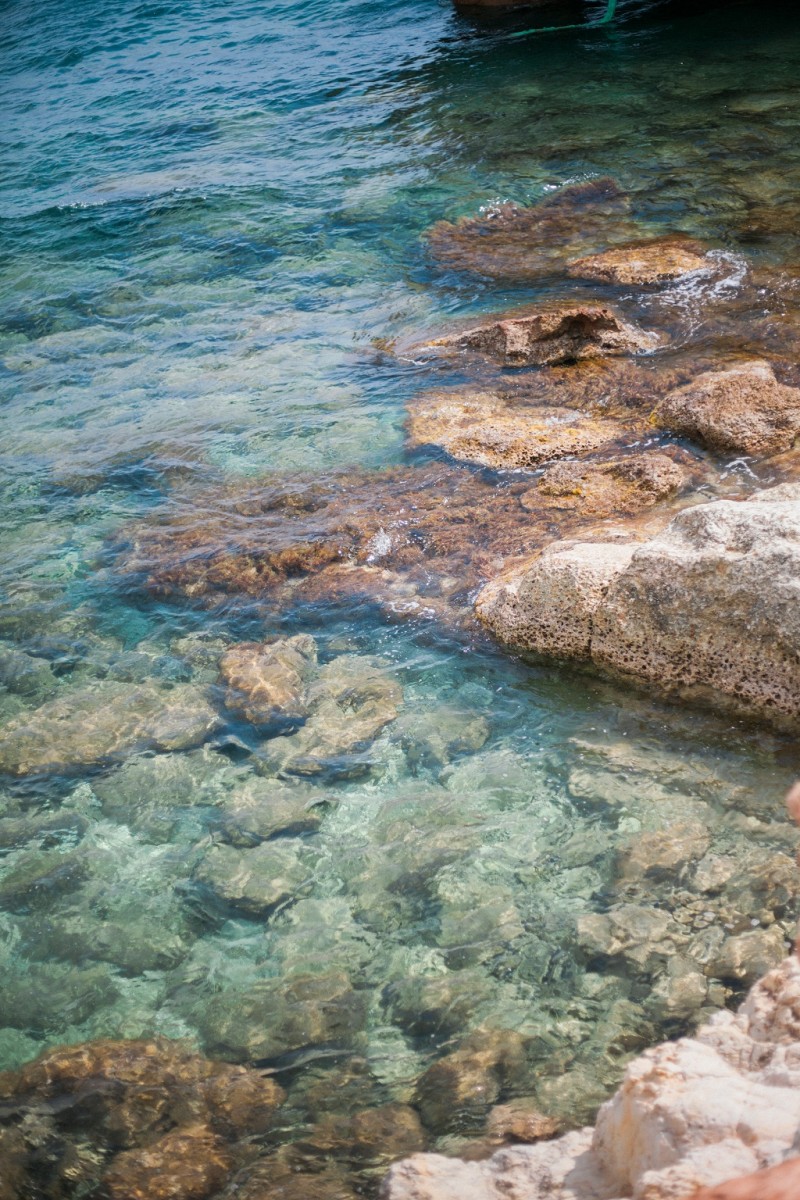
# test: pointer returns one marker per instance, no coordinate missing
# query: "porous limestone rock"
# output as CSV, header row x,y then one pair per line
x,y
549,605
266,684
653,261
707,609
781,1182
563,333
91,725
691,1113
742,409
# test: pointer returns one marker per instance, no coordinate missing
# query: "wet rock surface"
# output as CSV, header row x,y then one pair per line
x,y
565,333
705,608
266,684
741,409
644,262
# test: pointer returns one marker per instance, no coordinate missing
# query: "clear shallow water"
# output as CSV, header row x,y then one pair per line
x,y
208,214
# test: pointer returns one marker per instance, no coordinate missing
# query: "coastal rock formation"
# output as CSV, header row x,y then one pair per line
x,y
690,1113
414,540
637,263
708,608
742,409
612,487
509,241
559,334
109,720
267,683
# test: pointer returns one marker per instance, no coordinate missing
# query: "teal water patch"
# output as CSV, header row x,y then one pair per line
x,y
213,219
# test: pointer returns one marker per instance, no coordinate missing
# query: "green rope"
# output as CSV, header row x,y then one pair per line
x,y
606,19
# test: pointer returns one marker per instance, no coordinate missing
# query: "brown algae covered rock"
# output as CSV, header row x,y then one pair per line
x,y
509,241
489,432
561,333
611,487
640,263
742,409
131,1118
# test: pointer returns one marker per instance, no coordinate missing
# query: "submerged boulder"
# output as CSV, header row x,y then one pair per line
x,y
558,334
266,684
92,725
742,409
708,608
611,487
646,262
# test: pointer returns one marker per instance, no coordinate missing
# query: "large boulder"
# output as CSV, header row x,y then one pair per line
x,y
742,409
707,609
689,1114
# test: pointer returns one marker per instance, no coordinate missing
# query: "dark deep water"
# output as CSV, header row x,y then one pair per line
x,y
208,213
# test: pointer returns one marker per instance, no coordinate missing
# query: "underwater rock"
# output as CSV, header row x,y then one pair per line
x,y
37,876
456,1092
748,956
433,739
740,410
640,934
706,609
441,1005
350,702
263,809
690,1113
663,854
273,1179
489,432
560,334
253,881
520,1120
508,241
370,1138
85,726
275,1017
189,1163
266,684
654,261
142,1118
26,675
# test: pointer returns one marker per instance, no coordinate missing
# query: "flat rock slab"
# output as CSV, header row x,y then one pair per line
x,y
91,725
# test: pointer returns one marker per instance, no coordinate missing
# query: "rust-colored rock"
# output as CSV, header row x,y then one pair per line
x,y
455,1093
189,1163
614,487
740,410
781,1182
520,1121
151,1117
641,263
563,333
267,683
508,241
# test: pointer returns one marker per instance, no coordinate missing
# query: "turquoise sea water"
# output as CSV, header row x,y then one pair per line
x,y
209,212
